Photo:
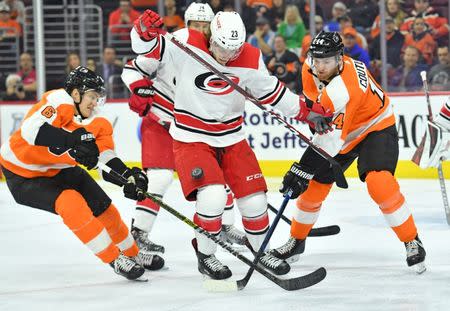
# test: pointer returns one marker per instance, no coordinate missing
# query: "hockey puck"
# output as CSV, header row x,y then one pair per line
x,y
197,173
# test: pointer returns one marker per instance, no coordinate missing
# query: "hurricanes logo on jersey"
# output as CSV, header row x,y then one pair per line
x,y
212,84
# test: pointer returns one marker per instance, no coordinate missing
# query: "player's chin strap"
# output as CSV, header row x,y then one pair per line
x,y
296,283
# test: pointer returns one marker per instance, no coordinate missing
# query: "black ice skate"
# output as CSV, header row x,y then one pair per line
x,y
210,266
290,251
230,234
274,264
149,260
127,267
415,255
142,241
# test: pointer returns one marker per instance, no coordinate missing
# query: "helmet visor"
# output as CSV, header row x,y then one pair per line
x,y
101,93
223,54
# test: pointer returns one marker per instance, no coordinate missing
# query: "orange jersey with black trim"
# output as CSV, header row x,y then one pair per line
x,y
20,155
358,103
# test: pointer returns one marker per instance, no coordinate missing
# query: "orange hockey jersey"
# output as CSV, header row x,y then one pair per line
x,y
358,103
21,156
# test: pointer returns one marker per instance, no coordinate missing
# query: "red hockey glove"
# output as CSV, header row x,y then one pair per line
x,y
316,116
149,25
141,98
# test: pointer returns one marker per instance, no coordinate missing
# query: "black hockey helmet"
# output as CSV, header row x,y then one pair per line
x,y
84,80
326,44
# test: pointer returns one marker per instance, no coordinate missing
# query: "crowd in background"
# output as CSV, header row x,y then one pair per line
x,y
417,33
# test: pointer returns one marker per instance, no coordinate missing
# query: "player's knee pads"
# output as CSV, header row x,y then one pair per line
x,y
252,205
313,197
159,180
73,209
111,219
211,200
383,188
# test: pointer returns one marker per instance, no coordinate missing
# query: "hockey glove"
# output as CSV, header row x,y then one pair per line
x,y
316,116
149,25
296,179
137,184
84,149
141,98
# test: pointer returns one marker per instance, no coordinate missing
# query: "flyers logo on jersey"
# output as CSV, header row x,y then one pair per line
x,y
212,84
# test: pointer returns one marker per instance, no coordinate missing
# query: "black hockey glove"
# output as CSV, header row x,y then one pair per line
x,y
137,184
84,149
296,179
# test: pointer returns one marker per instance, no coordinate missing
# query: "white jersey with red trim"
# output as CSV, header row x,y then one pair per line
x,y
163,77
207,109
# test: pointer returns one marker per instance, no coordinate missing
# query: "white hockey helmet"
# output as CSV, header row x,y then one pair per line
x,y
200,12
227,35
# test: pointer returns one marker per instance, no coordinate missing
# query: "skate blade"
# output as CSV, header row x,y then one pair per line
x,y
140,279
420,268
293,259
219,286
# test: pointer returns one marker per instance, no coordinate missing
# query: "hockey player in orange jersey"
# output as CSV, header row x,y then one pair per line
x,y
364,128
39,162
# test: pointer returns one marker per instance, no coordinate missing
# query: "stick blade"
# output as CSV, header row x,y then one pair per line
x,y
304,281
325,231
219,286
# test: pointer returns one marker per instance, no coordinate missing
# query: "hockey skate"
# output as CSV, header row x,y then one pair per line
x,y
127,267
230,234
148,251
415,255
290,251
142,241
270,262
210,266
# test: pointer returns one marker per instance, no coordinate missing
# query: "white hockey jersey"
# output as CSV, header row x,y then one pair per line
x,y
206,108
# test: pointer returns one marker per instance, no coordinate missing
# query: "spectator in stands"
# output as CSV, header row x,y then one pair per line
x,y
352,49
305,9
420,37
72,61
216,5
394,44
17,9
307,39
28,75
344,22
439,74
121,20
292,29
339,9
172,20
9,28
276,13
263,37
362,13
284,65
109,67
438,24
261,7
91,65
145,4
14,88
393,10
407,77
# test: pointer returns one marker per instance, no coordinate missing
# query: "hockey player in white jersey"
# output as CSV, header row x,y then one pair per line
x,y
210,148
153,100
434,146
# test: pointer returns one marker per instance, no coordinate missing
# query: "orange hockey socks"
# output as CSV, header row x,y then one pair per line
x,y
118,231
385,191
308,209
77,215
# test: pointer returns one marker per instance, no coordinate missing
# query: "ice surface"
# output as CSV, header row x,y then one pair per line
x,y
44,267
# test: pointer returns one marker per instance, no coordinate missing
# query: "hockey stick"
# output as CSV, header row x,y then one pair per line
x,y
287,284
423,74
337,169
321,231
243,282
